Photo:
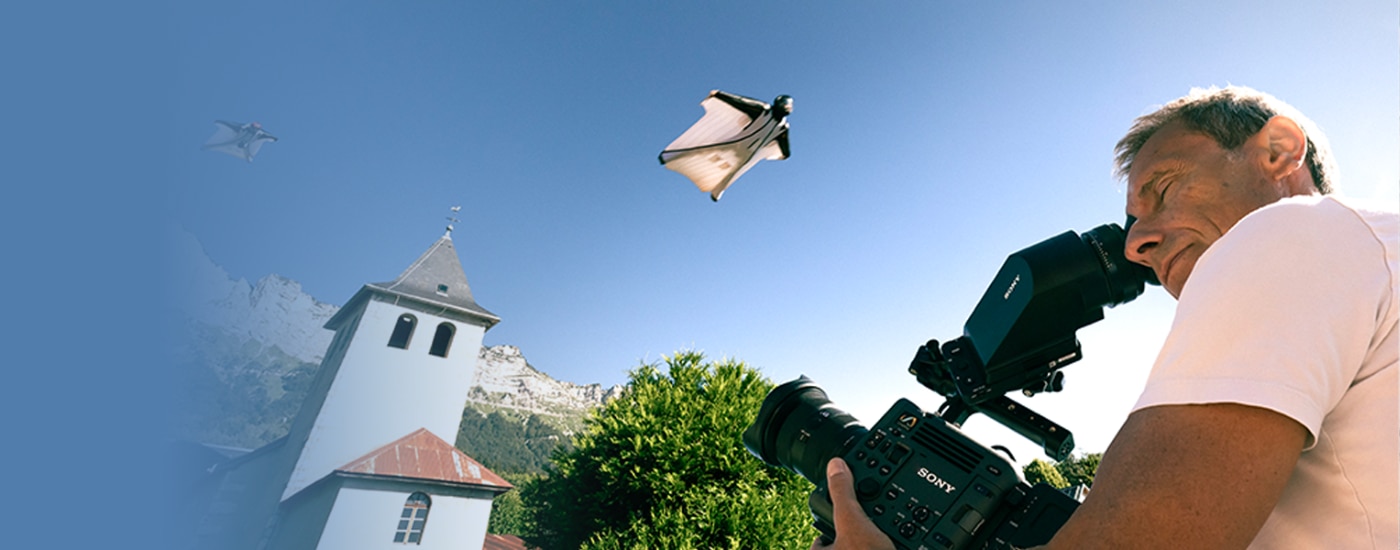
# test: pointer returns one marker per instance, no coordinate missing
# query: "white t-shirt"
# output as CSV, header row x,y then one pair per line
x,y
1294,310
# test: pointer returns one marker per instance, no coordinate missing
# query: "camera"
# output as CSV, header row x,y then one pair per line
x,y
925,483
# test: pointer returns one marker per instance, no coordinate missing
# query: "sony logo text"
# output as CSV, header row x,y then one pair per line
x,y
1014,282
936,481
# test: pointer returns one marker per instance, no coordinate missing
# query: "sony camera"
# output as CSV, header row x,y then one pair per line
x,y
917,476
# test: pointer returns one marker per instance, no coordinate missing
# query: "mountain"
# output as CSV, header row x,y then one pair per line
x,y
274,312
248,352
505,380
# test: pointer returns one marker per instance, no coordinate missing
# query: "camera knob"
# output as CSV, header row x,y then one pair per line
x,y
867,489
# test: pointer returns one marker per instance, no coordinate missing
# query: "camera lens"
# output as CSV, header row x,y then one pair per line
x,y
799,429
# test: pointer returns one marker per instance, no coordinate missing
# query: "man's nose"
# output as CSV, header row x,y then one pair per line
x,y
1142,239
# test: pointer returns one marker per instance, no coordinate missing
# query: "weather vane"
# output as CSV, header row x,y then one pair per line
x,y
453,219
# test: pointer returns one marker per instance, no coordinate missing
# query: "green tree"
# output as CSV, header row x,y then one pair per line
x,y
507,443
663,466
1080,470
1065,473
508,513
1040,471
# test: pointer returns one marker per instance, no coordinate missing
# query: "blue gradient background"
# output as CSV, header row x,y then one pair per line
x,y
930,139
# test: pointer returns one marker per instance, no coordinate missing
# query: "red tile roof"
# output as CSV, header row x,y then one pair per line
x,y
422,455
504,542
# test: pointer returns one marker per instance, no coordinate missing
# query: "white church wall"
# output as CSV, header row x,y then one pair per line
x,y
383,393
367,519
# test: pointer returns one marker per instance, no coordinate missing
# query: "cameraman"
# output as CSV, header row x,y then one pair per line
x,y
1270,417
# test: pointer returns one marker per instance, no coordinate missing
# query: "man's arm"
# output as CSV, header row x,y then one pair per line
x,y
1187,476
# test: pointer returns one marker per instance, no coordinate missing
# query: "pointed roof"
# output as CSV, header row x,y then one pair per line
x,y
434,280
422,455
437,277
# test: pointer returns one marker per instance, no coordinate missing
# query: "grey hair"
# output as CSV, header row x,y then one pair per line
x,y
1230,116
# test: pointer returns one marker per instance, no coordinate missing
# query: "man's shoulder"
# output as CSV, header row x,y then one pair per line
x,y
1328,215
1300,237
1321,205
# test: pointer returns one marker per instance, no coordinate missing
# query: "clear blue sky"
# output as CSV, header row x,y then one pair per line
x,y
929,141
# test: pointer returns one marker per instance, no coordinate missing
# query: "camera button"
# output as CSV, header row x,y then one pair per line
x,y
970,520
878,510
885,470
898,452
867,488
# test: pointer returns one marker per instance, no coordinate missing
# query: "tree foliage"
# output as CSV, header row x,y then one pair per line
x,y
1066,473
508,443
663,466
518,448
508,513
1040,471
1080,470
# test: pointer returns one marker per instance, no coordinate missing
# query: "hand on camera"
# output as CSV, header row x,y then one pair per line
x,y
854,531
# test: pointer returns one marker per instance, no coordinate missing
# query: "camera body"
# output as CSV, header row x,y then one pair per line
x,y
929,486
916,475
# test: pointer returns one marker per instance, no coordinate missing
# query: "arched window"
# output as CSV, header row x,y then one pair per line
x,y
414,517
443,339
403,331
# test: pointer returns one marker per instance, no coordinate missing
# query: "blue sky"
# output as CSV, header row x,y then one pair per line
x,y
929,141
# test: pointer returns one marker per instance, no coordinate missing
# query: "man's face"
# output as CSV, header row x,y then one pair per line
x,y
1185,192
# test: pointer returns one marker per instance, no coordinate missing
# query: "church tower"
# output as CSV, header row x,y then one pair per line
x,y
402,359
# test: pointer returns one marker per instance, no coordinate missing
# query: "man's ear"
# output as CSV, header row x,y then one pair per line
x,y
1284,147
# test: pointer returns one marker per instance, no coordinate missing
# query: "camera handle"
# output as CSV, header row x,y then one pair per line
x,y
930,367
1054,439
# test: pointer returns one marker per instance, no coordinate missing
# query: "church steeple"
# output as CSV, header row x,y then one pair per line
x,y
436,278
403,358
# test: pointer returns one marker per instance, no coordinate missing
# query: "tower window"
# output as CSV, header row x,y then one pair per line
x,y
414,517
442,339
442,289
403,331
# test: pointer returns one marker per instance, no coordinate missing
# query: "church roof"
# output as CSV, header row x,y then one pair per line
x,y
435,280
503,542
422,455
436,277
